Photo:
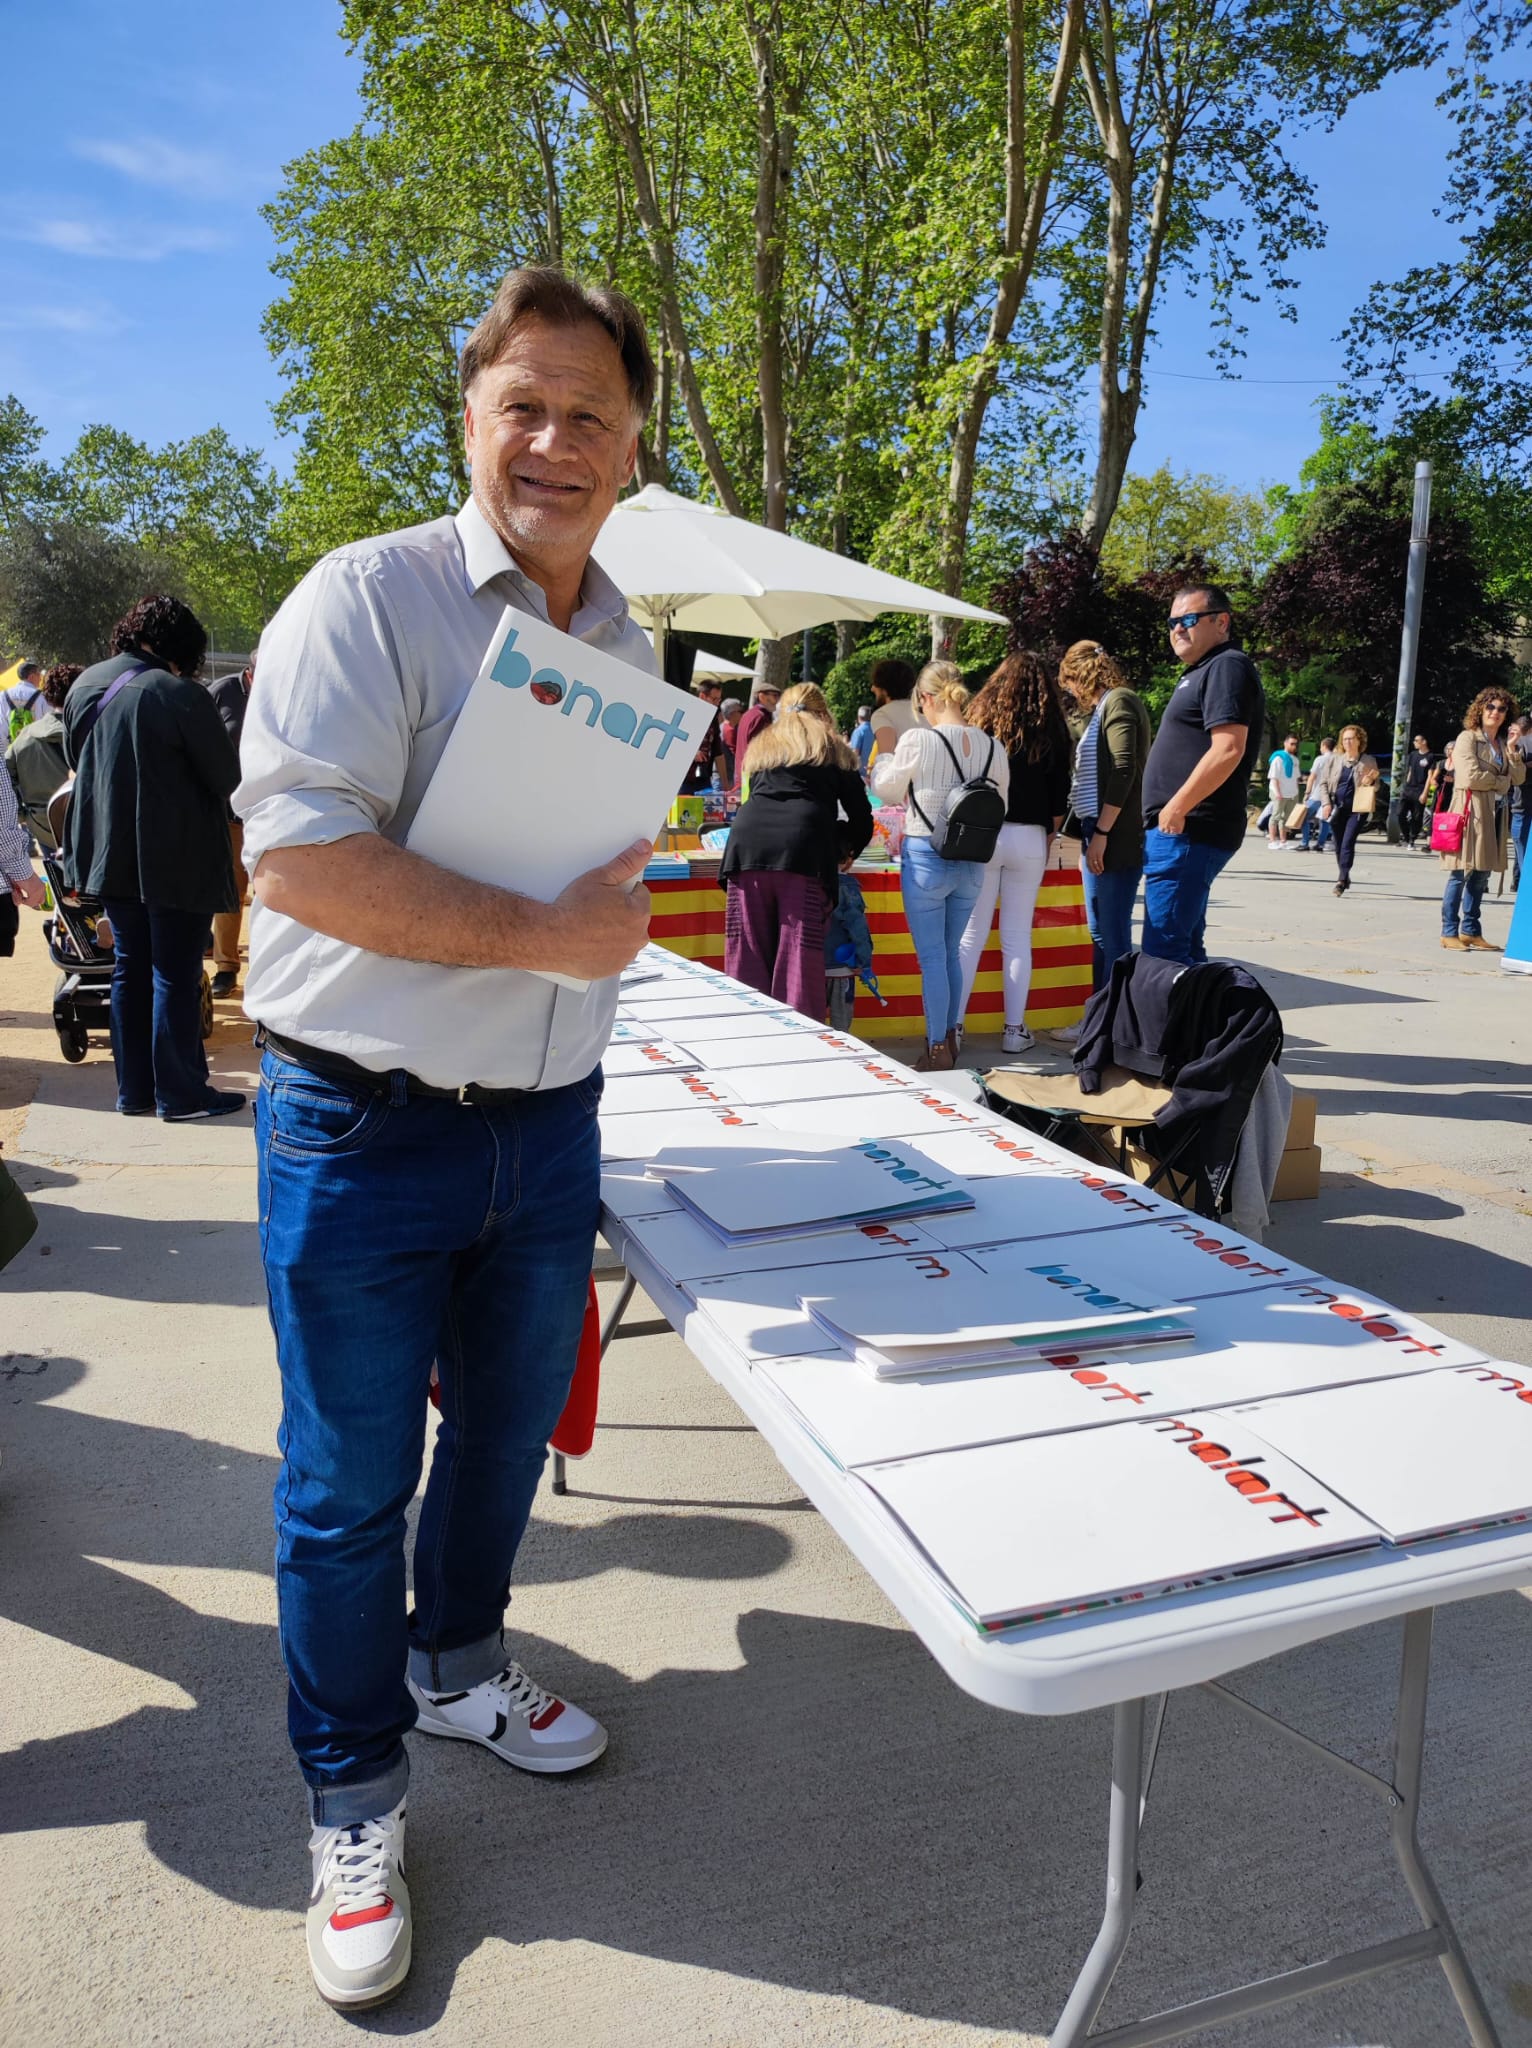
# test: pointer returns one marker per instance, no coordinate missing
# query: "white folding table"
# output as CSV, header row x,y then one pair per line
x,y
1132,1657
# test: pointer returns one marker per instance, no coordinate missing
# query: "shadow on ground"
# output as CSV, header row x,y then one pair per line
x,y
830,1815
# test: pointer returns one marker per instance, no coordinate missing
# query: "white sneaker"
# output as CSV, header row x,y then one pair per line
x,y
1017,1038
522,1724
1069,1035
359,1911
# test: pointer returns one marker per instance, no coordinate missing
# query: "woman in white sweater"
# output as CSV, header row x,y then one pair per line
x,y
935,757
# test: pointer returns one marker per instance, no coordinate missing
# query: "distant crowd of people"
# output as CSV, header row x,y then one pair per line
x,y
1159,811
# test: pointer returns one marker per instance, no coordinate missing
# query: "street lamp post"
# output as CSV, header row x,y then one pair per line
x,y
1409,643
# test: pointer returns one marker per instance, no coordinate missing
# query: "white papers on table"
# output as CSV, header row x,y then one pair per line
x,y
1024,1529
629,1193
1184,1259
706,1032
766,1085
625,1032
667,1000
546,717
1033,1207
985,1149
944,1314
640,1136
687,1253
894,1113
785,1190
646,1056
760,1314
779,1048
637,1094
1242,1348
1424,1456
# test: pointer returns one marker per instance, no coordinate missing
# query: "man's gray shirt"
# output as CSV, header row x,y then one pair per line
x,y
362,674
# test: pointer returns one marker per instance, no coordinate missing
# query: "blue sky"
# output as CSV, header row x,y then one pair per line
x,y
134,262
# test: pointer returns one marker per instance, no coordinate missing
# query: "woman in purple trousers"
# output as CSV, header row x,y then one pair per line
x,y
805,813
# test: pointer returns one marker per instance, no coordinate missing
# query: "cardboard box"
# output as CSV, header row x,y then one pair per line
x,y
1298,1175
1300,1123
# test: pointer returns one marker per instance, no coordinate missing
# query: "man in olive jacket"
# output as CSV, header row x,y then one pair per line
x,y
147,835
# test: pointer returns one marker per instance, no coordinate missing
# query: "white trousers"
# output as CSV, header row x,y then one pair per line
x,y
1014,875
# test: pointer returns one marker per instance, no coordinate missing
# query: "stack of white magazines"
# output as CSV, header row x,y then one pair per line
x,y
757,1194
932,1316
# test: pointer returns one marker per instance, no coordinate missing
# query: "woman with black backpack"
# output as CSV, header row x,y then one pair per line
x,y
1020,706
950,828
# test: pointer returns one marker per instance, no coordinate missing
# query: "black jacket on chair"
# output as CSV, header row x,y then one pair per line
x,y
1207,1033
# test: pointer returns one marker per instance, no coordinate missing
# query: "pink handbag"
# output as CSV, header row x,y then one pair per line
x,y
1447,830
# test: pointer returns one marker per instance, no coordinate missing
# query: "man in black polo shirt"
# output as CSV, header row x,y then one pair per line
x,y
1197,774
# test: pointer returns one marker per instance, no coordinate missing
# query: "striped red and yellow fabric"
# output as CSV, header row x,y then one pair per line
x,y
687,918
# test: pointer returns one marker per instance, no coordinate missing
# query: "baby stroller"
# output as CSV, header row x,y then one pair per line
x,y
80,947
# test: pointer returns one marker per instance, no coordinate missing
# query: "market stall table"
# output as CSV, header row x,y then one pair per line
x,y
1123,1654
687,919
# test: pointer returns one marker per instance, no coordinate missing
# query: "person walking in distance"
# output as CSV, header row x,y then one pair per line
x,y
1519,741
764,698
426,1134
1282,789
1417,770
1347,787
1197,774
1485,769
1312,822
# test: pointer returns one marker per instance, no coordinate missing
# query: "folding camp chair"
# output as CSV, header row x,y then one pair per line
x,y
1190,1048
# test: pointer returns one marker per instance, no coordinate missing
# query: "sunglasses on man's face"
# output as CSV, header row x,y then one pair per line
x,y
1187,622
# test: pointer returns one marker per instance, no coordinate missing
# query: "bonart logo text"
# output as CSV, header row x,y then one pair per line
x,y
618,720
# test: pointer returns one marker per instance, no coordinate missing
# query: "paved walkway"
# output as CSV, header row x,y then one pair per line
x,y
802,1833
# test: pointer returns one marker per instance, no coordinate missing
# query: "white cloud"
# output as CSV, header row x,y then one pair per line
x,y
115,241
20,318
148,161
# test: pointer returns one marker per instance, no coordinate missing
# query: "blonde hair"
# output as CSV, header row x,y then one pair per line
x,y
802,730
1087,672
806,697
942,682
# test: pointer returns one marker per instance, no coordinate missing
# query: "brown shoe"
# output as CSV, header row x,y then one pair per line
x,y
1456,945
936,1059
1480,945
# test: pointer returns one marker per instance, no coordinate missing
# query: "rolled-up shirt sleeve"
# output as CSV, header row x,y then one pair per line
x,y
328,730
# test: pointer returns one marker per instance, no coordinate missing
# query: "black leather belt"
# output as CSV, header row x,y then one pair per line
x,y
370,1082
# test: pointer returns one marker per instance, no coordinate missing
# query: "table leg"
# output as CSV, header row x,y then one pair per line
x,y
1095,1979
1409,1754
614,1316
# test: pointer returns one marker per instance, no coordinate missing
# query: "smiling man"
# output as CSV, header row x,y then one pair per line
x,y
426,1127
1197,774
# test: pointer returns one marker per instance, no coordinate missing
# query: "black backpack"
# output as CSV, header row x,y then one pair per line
x,y
971,817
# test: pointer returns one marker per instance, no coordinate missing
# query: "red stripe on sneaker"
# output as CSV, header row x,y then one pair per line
x,y
341,1921
548,1716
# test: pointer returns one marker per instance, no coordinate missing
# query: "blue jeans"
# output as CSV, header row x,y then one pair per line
x,y
1347,825
397,1231
938,895
1311,818
1179,874
1460,903
157,1007
1109,913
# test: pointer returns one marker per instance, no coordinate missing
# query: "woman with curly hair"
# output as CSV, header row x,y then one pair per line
x,y
147,834
930,761
1108,797
785,848
1485,768
1020,707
